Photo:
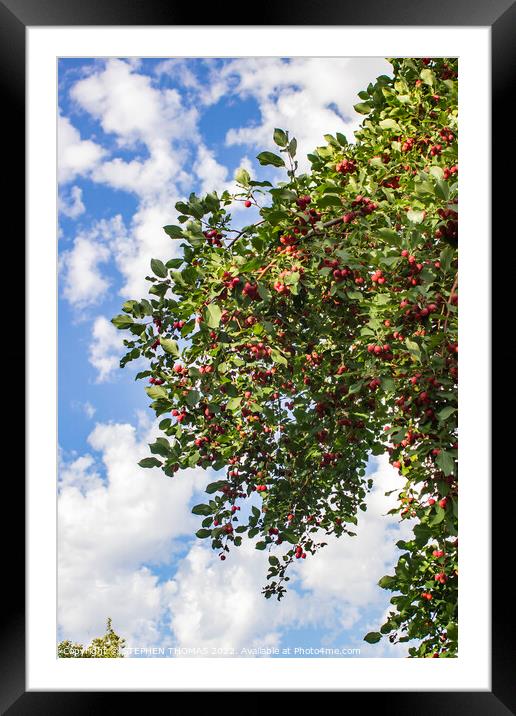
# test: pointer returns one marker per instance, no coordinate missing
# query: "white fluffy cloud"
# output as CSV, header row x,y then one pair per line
x,y
110,530
309,97
157,125
128,107
83,283
71,204
106,348
75,156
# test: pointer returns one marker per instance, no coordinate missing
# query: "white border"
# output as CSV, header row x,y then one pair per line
x,y
471,671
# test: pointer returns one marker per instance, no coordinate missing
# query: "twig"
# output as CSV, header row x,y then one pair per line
x,y
242,232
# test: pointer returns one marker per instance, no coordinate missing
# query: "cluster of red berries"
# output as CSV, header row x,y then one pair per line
x,y
179,415
230,492
156,381
258,350
415,311
281,288
328,458
407,145
435,150
230,281
261,488
447,173
214,237
426,595
303,202
313,358
383,352
262,376
447,135
367,206
346,166
441,577
392,183
450,229
299,553
251,290
378,277
288,240
180,369
374,384
206,369
313,216
178,324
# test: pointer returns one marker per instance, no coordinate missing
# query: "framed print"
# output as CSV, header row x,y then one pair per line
x,y
244,262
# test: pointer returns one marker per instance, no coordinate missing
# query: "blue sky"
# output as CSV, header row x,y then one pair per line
x,y
135,136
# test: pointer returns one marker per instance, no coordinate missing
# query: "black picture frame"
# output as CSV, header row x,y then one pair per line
x,y
15,17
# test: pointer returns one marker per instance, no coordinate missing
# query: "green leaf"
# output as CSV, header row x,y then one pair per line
x,y
203,533
150,462
452,631
438,517
159,268
373,637
242,176
413,348
445,413
389,235
415,216
213,314
192,398
233,404
215,486
362,107
442,189
278,358
386,582
390,124
169,346
280,137
329,200
355,387
446,462
260,545
175,232
264,292
202,510
156,392
266,158
428,77
122,321
160,447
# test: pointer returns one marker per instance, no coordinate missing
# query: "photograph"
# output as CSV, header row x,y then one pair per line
x,y
257,348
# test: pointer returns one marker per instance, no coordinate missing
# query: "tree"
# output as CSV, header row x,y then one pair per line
x,y
286,352
109,646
